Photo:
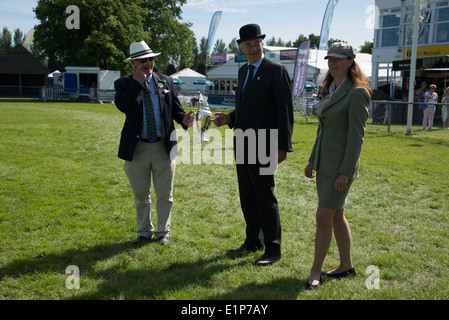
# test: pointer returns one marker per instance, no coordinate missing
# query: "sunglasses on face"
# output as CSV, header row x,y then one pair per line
x,y
143,60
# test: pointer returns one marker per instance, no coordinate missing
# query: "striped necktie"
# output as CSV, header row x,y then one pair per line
x,y
149,114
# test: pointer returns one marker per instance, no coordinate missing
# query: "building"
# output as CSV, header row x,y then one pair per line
x,y
392,51
21,74
393,41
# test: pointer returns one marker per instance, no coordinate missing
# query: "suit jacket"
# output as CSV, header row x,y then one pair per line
x,y
268,103
341,132
129,99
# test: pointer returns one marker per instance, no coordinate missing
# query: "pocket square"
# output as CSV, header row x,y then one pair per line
x,y
166,91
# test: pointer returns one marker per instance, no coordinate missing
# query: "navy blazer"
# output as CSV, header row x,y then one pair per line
x,y
129,99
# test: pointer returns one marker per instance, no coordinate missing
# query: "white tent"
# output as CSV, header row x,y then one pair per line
x,y
189,76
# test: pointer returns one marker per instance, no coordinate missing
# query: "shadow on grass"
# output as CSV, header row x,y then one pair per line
x,y
155,282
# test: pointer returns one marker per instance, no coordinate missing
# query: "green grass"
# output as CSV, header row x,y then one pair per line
x,y
65,200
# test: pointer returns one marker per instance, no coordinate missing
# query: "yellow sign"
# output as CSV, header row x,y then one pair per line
x,y
428,51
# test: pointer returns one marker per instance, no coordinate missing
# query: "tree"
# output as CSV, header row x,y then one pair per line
x,y
170,70
367,47
300,39
220,47
18,38
314,40
5,41
200,58
167,35
107,28
273,42
233,47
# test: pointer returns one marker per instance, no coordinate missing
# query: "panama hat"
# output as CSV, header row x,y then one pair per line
x,y
139,50
249,32
340,50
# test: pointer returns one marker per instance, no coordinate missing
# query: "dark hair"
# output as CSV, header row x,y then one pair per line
x,y
355,74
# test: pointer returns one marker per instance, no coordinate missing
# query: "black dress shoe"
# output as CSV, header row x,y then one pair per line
x,y
141,240
248,248
309,286
267,259
350,272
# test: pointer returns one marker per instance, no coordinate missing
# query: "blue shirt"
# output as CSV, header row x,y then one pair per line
x,y
156,108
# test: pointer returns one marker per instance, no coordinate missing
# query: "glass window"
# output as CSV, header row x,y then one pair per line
x,y
388,37
443,15
442,32
391,20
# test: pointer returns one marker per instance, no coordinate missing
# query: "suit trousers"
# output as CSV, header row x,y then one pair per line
x,y
150,160
260,207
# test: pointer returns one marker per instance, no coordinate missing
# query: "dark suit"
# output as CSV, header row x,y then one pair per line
x,y
129,100
267,105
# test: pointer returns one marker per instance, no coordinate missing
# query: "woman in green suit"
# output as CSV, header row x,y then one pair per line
x,y
335,156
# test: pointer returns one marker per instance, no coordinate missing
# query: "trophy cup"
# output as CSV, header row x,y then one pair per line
x,y
203,119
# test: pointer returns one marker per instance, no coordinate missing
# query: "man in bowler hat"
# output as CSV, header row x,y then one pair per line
x,y
263,104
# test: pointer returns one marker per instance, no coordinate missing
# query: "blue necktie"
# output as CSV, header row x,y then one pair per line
x,y
248,81
149,114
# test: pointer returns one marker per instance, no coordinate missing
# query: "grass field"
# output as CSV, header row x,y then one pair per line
x,y
65,201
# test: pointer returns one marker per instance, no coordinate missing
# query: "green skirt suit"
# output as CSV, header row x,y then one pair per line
x,y
339,142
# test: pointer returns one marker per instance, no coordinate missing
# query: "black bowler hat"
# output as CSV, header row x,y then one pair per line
x,y
250,31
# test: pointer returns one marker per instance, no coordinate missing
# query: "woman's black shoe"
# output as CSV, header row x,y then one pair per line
x,y
350,272
309,286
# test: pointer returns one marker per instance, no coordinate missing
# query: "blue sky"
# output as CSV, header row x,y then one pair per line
x,y
285,19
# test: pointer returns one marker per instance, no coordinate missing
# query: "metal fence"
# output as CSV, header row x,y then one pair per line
x,y
57,93
396,112
381,112
19,91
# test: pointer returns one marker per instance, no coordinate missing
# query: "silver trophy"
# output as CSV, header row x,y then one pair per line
x,y
203,118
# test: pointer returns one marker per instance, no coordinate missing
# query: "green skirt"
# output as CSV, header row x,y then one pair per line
x,y
328,197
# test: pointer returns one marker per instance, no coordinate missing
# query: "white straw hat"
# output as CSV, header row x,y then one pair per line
x,y
139,50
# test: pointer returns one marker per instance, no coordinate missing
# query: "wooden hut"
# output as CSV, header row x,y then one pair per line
x,y
21,74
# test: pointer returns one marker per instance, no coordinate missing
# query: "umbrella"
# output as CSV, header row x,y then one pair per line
x,y
309,85
204,82
178,82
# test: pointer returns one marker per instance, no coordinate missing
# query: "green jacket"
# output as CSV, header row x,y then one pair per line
x,y
341,132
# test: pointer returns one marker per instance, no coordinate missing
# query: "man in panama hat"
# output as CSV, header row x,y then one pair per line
x,y
263,104
148,139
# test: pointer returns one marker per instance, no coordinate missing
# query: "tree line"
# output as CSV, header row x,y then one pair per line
x,y
108,27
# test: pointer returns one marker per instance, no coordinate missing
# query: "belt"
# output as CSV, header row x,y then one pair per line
x,y
148,141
